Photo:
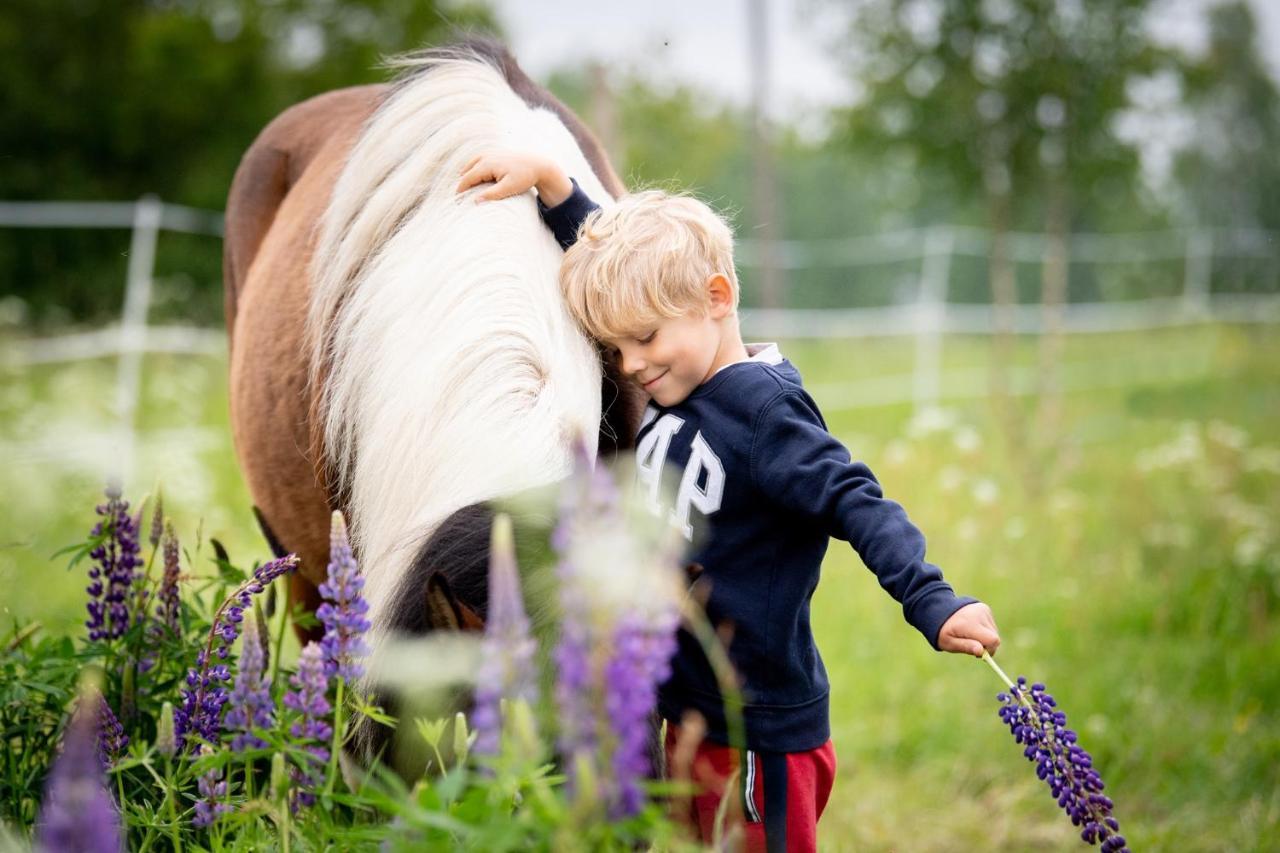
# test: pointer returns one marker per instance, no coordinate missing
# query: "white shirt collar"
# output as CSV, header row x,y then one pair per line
x,y
767,353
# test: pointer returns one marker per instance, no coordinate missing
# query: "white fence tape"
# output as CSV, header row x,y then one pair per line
x,y
110,342
958,319
927,319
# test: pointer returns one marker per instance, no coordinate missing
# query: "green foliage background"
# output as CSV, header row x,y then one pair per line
x,y
105,100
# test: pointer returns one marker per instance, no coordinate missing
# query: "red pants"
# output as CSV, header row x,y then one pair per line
x,y
808,779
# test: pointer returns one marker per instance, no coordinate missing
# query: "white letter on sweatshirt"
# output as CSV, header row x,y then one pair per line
x,y
707,500
651,455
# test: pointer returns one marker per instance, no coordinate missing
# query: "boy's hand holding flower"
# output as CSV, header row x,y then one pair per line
x,y
515,172
970,630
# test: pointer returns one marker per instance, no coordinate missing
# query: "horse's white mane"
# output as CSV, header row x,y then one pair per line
x,y
455,374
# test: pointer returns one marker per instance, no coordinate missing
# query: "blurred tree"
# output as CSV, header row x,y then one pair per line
x,y
674,137
682,139
1013,101
111,99
1230,171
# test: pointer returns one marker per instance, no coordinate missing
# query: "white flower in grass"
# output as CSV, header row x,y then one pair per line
x,y
1185,449
1249,549
950,478
985,491
930,420
966,439
897,453
1241,513
1228,435
1063,502
1264,459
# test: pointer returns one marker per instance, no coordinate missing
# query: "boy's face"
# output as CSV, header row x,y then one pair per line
x,y
673,357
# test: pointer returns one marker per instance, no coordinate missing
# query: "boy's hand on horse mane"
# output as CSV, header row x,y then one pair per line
x,y
515,172
970,630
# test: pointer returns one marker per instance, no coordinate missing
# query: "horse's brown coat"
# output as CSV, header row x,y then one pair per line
x,y
277,197
287,174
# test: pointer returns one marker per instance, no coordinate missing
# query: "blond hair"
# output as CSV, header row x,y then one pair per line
x,y
645,259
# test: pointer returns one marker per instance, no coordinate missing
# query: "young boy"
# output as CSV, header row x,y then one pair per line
x,y
758,473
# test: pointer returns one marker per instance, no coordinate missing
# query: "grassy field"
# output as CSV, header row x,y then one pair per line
x,y
1137,574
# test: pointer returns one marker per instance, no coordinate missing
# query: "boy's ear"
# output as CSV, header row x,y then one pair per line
x,y
720,296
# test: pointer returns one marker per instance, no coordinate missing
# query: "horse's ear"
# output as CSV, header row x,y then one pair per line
x,y
445,612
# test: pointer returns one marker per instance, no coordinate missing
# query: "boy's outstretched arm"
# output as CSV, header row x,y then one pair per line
x,y
515,172
804,469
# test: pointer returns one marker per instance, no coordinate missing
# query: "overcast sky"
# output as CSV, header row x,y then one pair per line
x,y
705,43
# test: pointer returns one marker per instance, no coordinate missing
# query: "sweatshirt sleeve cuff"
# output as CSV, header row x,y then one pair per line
x,y
932,613
567,217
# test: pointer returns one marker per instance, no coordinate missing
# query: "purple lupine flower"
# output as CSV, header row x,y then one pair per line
x,y
112,740
167,619
157,522
202,702
167,610
642,648
212,788
251,705
308,700
343,613
506,669
574,679
1035,720
114,568
78,813
619,596
204,696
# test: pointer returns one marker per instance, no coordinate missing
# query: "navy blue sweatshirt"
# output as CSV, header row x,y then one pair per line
x,y
760,486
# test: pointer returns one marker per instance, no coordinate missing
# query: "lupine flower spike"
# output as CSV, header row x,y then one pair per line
x,y
167,609
213,792
250,699
619,595
572,653
1035,720
507,666
167,615
308,700
115,563
77,812
589,495
643,644
204,696
343,613
112,741
157,522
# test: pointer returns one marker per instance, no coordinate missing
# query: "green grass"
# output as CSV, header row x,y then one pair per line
x,y
56,425
1142,586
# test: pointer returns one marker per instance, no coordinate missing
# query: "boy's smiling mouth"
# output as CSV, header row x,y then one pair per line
x,y
647,385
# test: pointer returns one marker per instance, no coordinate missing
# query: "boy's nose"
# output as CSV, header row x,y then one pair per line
x,y
632,365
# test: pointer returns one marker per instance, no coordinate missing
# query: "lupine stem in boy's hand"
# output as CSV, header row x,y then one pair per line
x,y
986,656
1034,719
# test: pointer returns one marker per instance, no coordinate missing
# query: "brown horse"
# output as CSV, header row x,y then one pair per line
x,y
400,353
